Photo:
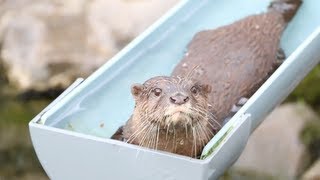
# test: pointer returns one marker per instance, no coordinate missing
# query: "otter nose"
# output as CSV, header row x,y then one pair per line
x,y
179,99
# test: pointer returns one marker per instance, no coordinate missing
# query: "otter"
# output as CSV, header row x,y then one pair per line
x,y
182,112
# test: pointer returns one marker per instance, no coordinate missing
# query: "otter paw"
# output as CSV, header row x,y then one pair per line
x,y
235,108
118,134
280,56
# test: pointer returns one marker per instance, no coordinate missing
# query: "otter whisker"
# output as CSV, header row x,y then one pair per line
x,y
194,141
210,122
207,129
131,139
198,135
158,133
167,143
137,132
144,137
150,137
154,137
168,127
174,139
202,113
200,110
186,129
204,131
212,116
208,134
214,119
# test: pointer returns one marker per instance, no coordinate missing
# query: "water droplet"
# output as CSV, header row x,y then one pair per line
x,y
181,142
227,85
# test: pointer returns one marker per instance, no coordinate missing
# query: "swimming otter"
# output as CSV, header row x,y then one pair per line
x,y
181,113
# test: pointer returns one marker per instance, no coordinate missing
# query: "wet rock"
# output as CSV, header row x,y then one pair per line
x,y
46,44
275,148
313,173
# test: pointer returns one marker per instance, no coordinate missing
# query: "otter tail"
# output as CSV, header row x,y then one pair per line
x,y
287,8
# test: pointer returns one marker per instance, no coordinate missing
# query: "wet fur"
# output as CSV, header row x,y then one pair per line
x,y
151,126
234,60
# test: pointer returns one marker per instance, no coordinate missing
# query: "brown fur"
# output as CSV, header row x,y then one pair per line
x,y
153,124
233,61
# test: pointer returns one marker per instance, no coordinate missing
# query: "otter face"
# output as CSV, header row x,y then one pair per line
x,y
172,101
171,114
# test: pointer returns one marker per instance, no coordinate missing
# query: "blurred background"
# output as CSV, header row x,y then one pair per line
x,y
46,44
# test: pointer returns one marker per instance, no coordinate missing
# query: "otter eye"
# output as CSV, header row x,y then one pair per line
x,y
194,90
157,91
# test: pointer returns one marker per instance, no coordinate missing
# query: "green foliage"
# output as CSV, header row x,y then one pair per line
x,y
309,89
310,136
15,111
311,132
17,161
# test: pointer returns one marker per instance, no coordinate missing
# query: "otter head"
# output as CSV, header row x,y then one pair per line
x,y
172,101
171,114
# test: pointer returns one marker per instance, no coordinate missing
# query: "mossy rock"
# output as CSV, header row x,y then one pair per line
x,y
310,136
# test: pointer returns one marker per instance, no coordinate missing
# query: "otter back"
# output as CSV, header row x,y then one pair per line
x,y
234,59
179,113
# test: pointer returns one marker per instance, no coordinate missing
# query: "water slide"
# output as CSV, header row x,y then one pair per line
x,y
72,135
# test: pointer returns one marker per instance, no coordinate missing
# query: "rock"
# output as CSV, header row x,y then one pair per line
x,y
275,149
47,44
313,173
310,136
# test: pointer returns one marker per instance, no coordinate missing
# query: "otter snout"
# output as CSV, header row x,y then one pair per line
x,y
179,99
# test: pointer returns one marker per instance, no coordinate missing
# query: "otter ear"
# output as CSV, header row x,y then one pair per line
x,y
207,88
136,89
